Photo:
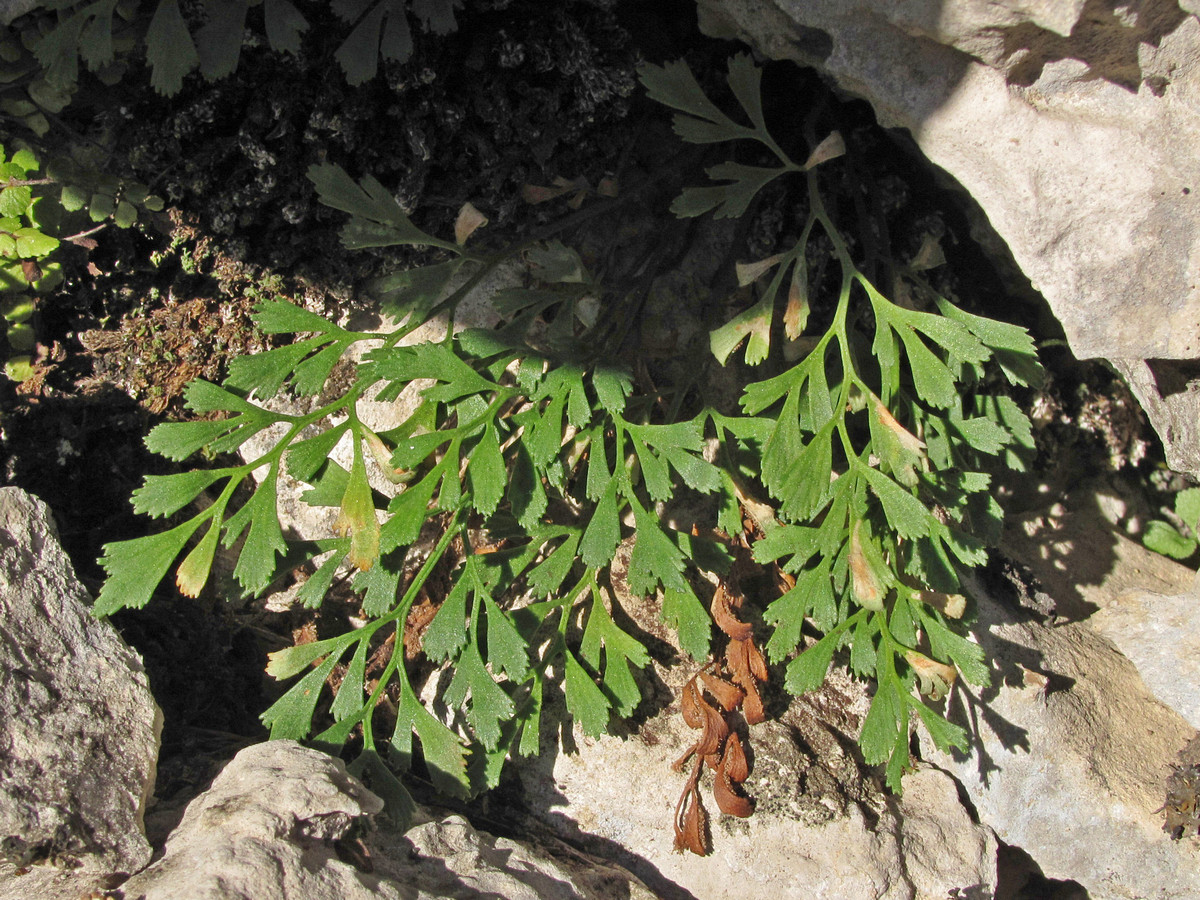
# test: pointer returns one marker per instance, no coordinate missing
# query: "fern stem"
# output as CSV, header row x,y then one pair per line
x,y
400,615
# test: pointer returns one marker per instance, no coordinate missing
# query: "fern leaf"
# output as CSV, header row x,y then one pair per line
x,y
169,49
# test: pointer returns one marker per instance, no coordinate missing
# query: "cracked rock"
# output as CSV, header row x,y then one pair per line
x,y
79,735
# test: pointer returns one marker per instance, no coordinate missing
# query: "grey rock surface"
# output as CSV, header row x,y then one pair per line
x,y
1070,755
47,883
79,735
1064,121
1160,634
820,827
1145,604
925,846
448,858
266,829
12,9
283,821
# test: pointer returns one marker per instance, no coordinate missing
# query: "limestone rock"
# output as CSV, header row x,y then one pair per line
x,y
1144,603
1160,634
266,829
13,9
50,883
79,734
1064,122
1070,756
283,821
448,858
820,829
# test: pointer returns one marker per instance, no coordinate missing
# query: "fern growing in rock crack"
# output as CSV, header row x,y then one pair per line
x,y
530,459
873,523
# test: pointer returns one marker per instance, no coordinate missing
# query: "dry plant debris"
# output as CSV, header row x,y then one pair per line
x,y
710,702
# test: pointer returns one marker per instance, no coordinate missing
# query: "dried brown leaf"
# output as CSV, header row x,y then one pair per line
x,y
908,440
795,315
865,584
536,193
690,704
748,273
678,765
753,710
747,668
608,187
727,695
830,148
729,801
738,664
699,713
691,821
758,665
715,732
733,760
930,256
722,612
934,678
694,835
383,458
737,658
952,605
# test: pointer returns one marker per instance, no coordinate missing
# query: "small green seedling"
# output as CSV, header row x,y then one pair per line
x,y
1165,538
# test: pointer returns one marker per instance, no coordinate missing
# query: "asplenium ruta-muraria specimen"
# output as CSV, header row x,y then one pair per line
x,y
534,454
875,447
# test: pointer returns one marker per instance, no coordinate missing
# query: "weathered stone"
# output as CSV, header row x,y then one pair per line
x,y
266,829
819,829
448,858
1160,634
1170,395
79,735
1144,603
283,821
1064,122
12,9
52,883
1070,756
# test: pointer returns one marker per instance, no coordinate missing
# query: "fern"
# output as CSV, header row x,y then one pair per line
x,y
101,34
531,453
874,523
